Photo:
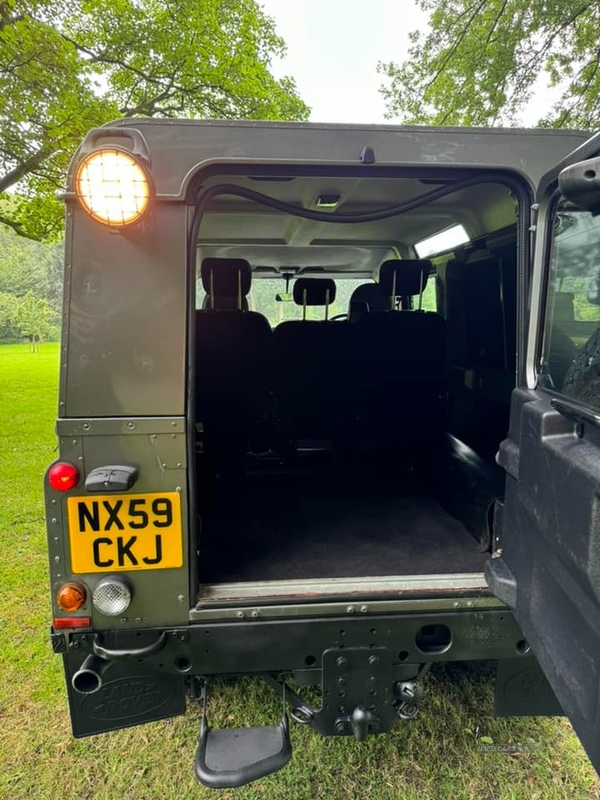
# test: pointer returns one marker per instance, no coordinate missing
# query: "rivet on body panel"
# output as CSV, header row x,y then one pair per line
x,y
86,426
350,609
131,425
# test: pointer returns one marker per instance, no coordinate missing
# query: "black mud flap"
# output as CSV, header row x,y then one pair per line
x,y
523,691
130,694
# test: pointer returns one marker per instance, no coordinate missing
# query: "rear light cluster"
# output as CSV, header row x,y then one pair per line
x,y
112,597
70,597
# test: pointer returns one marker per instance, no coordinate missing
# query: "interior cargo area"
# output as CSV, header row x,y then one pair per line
x,y
352,381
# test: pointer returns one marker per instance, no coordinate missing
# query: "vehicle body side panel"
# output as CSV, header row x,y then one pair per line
x,y
157,448
125,308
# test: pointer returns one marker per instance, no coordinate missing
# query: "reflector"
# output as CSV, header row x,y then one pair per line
x,y
72,622
63,476
113,187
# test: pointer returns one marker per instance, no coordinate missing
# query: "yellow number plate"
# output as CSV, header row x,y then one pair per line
x,y
116,533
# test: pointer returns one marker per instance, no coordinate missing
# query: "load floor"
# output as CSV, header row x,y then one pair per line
x,y
330,524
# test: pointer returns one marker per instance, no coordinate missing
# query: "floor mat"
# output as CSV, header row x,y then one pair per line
x,y
318,526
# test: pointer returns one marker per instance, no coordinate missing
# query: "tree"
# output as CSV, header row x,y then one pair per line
x,y
33,315
479,62
69,65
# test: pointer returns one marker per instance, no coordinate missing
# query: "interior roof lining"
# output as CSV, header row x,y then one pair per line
x,y
280,233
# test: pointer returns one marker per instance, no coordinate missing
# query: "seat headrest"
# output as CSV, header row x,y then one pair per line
x,y
226,277
314,291
371,294
405,277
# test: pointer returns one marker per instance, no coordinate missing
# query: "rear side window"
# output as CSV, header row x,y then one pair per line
x,y
570,362
429,300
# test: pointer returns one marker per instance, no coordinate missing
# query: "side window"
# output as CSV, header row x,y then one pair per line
x,y
570,362
429,301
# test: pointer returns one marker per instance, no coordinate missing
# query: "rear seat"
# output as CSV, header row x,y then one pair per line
x,y
233,362
400,361
308,358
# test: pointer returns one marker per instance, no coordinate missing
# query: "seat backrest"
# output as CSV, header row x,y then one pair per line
x,y
307,359
411,342
233,347
401,357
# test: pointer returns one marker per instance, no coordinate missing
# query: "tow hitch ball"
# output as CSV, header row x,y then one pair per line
x,y
409,694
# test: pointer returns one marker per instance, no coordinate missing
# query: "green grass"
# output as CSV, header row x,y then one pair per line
x,y
433,757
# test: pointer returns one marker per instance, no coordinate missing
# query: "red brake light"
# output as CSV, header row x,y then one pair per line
x,y
63,476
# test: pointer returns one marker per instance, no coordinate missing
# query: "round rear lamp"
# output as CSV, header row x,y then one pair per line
x,y
113,187
70,597
63,476
112,596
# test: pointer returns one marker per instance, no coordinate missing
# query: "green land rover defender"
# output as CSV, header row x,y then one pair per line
x,y
329,414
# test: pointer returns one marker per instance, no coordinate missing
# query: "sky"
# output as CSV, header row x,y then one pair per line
x,y
334,47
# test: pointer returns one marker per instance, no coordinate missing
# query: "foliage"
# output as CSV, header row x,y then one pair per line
x,y
479,61
9,325
69,65
30,287
33,315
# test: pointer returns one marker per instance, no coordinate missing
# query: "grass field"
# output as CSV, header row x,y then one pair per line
x,y
435,756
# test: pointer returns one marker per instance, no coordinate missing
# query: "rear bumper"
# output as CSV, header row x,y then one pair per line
x,y
249,645
137,688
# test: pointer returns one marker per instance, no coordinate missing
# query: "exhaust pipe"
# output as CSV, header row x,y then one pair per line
x,y
88,678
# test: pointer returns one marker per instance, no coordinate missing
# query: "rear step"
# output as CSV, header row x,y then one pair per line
x,y
231,757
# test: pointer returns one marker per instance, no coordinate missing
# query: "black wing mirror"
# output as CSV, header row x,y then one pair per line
x,y
580,183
